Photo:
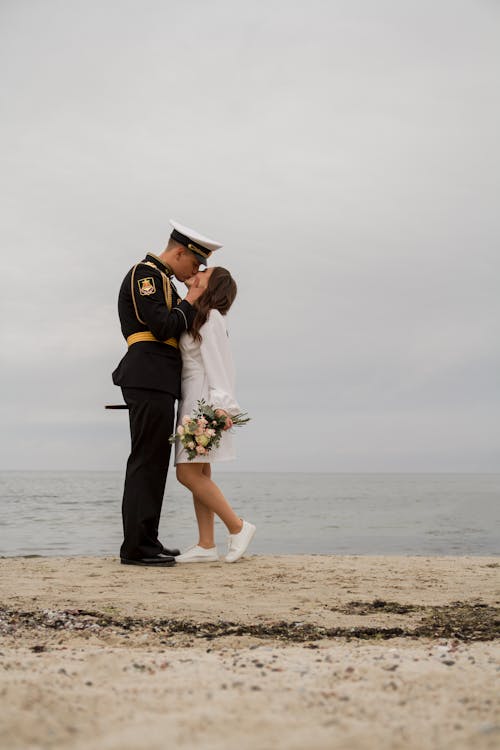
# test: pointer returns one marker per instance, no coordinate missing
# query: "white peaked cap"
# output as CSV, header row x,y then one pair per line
x,y
199,244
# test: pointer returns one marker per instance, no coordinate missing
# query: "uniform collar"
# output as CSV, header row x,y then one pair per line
x,y
159,264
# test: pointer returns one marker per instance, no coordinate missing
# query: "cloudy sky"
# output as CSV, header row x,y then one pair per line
x,y
347,154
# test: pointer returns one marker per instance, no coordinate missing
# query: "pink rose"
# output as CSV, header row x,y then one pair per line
x,y
191,444
200,449
186,419
180,430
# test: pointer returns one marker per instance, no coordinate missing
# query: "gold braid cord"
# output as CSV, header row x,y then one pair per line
x,y
132,289
167,288
167,291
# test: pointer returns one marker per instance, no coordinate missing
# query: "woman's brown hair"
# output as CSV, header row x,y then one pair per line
x,y
219,295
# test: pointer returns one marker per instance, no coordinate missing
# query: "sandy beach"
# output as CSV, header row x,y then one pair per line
x,y
273,652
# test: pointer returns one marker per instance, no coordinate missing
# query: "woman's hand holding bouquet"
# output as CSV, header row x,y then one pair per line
x,y
202,431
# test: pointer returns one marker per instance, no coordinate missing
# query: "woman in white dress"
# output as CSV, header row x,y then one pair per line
x,y
208,373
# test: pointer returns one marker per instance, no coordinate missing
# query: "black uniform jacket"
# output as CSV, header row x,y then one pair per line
x,y
148,303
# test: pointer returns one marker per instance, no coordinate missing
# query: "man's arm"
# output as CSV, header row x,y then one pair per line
x,y
149,297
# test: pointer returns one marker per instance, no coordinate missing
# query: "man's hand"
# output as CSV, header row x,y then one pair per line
x,y
195,292
229,421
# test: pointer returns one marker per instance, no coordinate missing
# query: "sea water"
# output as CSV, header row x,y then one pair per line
x,y
79,513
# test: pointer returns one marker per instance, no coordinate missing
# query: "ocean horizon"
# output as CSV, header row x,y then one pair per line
x,y
74,512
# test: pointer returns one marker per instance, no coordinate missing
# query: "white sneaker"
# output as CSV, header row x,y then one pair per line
x,y
238,543
196,554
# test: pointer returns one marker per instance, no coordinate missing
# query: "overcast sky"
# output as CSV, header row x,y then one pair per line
x,y
347,155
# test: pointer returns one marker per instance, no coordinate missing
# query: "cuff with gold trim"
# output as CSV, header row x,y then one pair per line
x,y
185,311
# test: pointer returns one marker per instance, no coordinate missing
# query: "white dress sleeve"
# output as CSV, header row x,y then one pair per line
x,y
218,364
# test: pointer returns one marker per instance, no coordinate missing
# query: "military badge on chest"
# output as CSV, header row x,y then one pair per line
x,y
146,286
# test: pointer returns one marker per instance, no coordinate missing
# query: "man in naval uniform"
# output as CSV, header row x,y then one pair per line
x,y
152,317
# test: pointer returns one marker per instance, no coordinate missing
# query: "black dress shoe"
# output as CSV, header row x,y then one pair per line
x,y
158,561
171,552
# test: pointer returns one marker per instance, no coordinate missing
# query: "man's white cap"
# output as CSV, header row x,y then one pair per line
x,y
201,246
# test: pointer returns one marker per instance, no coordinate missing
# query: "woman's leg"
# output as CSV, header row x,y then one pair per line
x,y
205,518
208,494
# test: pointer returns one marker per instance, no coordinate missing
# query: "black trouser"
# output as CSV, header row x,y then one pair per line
x,y
151,415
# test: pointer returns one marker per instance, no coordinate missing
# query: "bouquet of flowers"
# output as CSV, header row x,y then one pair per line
x,y
202,431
